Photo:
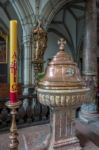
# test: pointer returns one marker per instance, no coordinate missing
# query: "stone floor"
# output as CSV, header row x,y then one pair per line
x,y
31,137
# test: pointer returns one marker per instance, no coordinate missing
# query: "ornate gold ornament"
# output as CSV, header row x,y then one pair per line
x,y
39,46
39,40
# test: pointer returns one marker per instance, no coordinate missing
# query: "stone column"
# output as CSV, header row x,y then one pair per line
x,y
27,60
27,67
89,54
90,40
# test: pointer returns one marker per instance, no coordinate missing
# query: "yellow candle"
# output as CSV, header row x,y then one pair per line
x,y
13,61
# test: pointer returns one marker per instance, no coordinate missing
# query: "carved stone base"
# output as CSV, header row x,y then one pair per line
x,y
68,144
62,129
89,113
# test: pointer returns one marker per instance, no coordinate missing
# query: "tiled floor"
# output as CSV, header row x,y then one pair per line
x,y
30,138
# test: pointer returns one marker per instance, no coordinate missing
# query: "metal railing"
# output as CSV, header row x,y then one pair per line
x,y
30,113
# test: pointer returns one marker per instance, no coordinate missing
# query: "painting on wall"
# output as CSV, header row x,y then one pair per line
x,y
3,47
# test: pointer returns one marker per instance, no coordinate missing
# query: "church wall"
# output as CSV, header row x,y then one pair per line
x,y
71,27
68,29
5,18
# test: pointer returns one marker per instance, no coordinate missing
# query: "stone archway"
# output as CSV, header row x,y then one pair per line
x,y
50,11
27,16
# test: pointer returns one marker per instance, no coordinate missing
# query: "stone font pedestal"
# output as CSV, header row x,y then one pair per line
x,y
63,130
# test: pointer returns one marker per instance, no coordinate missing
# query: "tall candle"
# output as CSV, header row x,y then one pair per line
x,y
13,61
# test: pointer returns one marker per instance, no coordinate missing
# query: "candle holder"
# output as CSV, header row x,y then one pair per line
x,y
13,130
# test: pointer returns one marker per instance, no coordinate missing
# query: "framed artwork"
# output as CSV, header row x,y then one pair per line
x,y
3,47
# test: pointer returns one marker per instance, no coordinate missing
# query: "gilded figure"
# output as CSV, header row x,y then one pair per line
x,y
39,42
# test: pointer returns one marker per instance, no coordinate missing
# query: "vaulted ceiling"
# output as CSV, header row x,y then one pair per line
x,y
6,13
74,7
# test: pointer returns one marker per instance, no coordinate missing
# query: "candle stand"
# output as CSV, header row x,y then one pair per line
x,y
13,130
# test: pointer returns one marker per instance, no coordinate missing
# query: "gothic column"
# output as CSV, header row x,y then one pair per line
x,y
90,57
27,59
90,40
26,71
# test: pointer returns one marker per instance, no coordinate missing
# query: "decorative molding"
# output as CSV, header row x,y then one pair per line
x,y
52,12
24,11
37,6
58,98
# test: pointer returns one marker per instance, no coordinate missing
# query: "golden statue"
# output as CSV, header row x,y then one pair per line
x,y
39,42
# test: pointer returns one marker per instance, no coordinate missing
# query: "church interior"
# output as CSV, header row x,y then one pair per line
x,y
49,75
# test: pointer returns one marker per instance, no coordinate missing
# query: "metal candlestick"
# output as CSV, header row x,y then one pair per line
x,y
13,130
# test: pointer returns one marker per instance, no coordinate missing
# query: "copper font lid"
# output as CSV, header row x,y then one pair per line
x,y
62,71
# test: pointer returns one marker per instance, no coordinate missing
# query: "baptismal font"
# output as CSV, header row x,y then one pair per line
x,y
63,90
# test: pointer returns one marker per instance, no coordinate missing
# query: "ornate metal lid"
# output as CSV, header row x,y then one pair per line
x,y
62,71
